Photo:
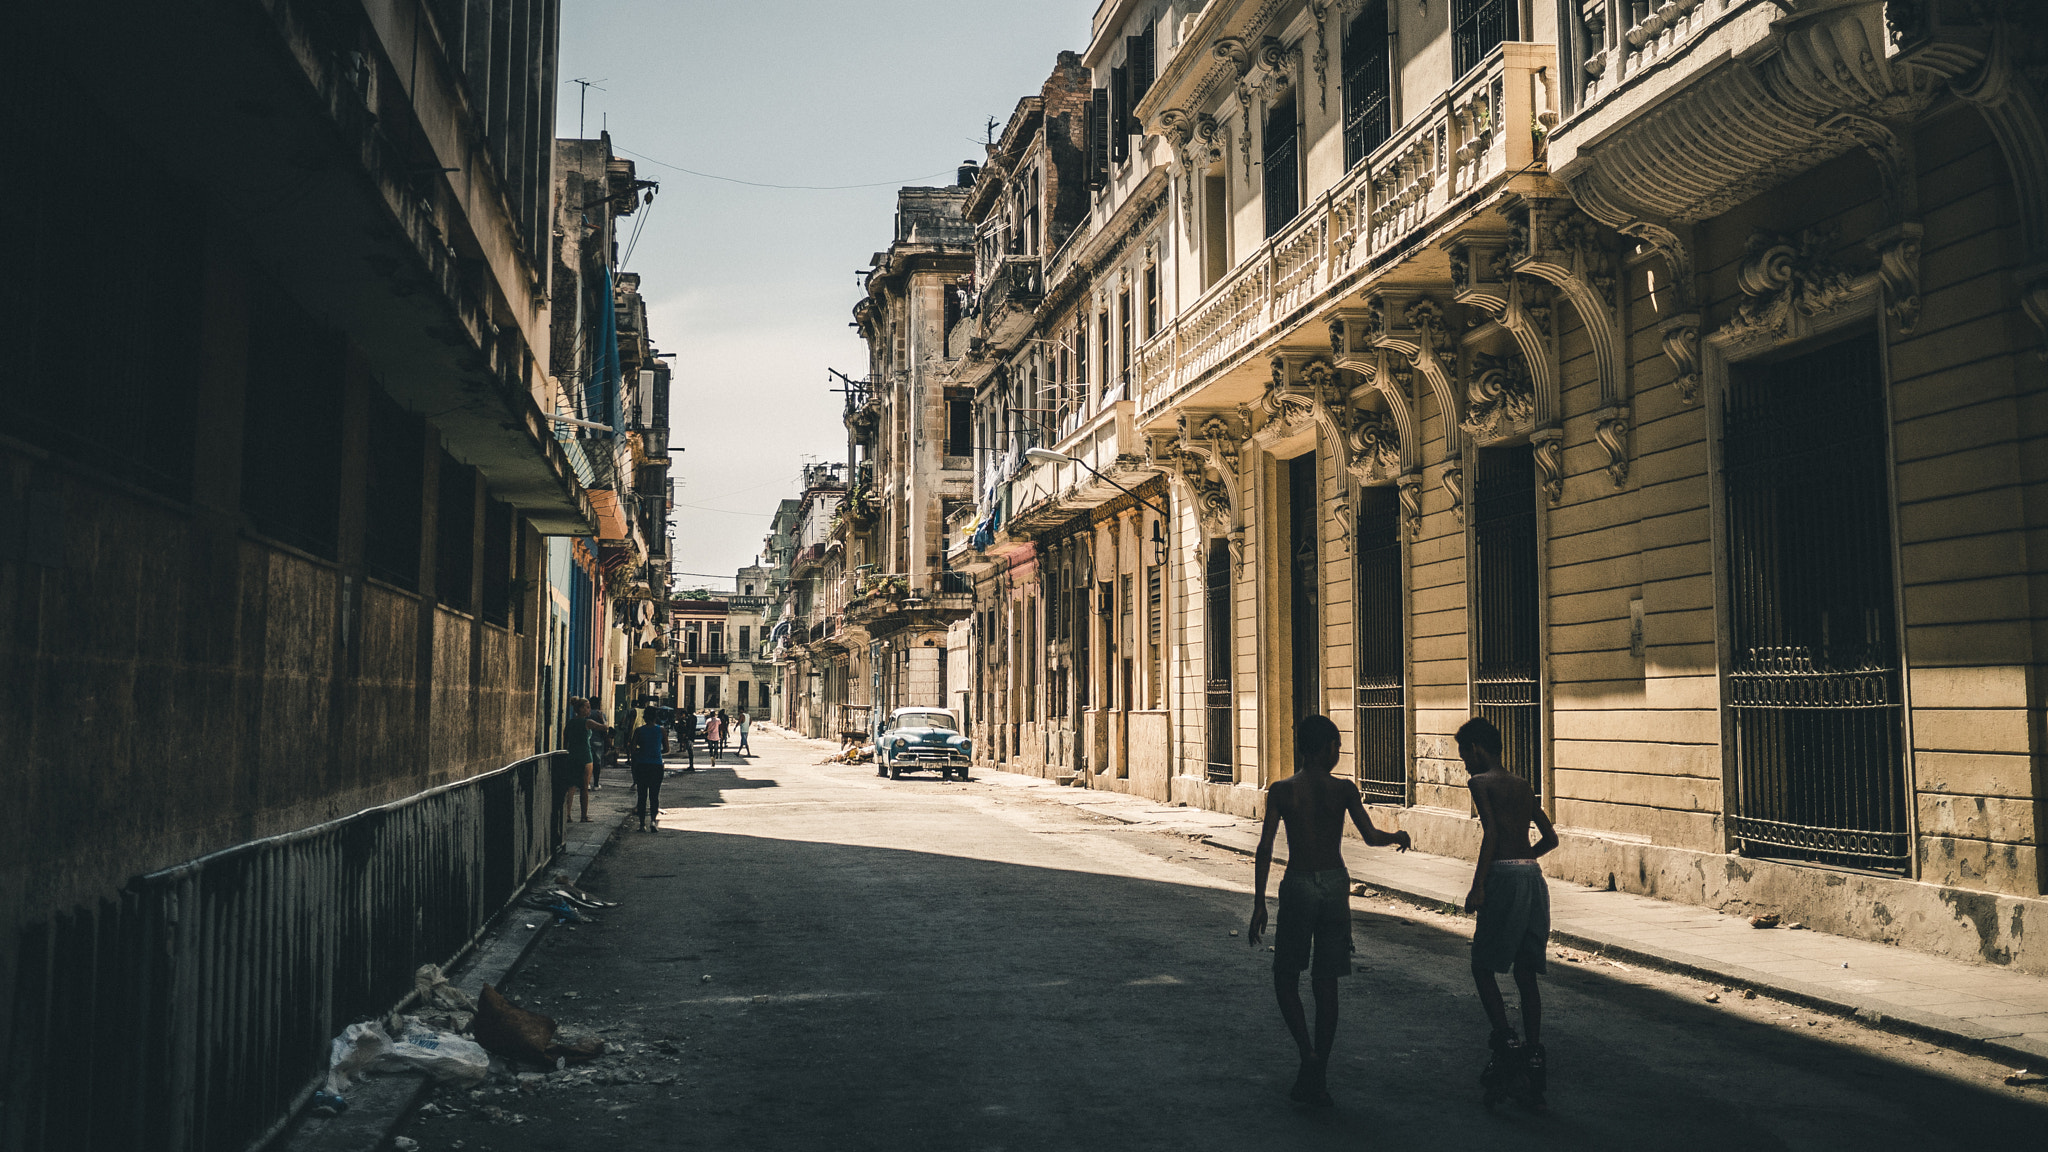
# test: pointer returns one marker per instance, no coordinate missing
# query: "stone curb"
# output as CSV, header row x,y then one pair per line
x,y
381,1103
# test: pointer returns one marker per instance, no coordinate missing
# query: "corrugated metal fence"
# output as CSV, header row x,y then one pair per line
x,y
192,1014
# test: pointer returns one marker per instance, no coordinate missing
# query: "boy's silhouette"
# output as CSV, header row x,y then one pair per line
x,y
1315,893
1513,904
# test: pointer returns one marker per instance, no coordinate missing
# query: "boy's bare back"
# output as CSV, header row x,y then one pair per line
x,y
1507,808
1313,805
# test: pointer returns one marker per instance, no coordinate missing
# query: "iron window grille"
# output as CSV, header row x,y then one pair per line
x,y
1217,701
1382,682
1368,104
1505,686
1814,683
1477,28
1282,183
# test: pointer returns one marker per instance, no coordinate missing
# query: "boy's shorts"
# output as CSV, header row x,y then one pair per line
x,y
1315,908
1514,922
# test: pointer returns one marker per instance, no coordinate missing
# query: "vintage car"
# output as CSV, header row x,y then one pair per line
x,y
914,738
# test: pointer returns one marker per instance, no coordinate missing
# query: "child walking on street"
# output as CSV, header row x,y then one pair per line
x,y
1314,931
743,723
1513,903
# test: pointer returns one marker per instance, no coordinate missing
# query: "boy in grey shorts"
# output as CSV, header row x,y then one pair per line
x,y
1315,894
1513,904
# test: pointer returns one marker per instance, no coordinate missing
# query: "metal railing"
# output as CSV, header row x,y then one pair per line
x,y
195,1012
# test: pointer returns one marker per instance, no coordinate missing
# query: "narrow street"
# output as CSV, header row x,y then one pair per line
x,y
808,956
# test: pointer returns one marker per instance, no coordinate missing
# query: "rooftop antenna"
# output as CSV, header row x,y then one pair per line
x,y
583,97
991,130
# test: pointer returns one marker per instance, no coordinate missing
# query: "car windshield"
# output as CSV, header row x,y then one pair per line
x,y
924,720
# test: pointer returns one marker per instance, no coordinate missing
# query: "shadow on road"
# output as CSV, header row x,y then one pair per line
x,y
845,996
707,786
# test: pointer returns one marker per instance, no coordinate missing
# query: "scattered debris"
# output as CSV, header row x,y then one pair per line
x,y
565,887
1749,993
2027,1078
404,1143
1767,920
1363,890
519,1034
1795,926
329,1104
1713,997
1233,931
431,989
707,975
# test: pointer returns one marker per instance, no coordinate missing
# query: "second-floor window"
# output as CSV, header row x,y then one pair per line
x,y
1081,353
1477,28
1102,336
1283,188
746,638
1151,300
1368,109
1123,334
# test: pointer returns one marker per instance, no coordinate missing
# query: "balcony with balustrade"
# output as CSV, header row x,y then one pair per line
x,y
1479,139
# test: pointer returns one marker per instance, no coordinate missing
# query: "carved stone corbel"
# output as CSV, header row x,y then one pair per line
x,y
1499,397
1546,449
1564,247
1414,328
1408,489
1898,268
1453,481
1681,335
1610,431
1341,512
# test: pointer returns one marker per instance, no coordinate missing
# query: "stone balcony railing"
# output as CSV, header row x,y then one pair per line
x,y
1009,301
1468,141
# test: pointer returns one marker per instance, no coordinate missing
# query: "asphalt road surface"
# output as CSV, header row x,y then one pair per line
x,y
809,957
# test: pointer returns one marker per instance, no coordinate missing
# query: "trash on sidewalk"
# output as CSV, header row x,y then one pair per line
x,y
520,1034
2027,1078
442,1055
578,895
430,985
354,1051
1767,920
328,1104
565,912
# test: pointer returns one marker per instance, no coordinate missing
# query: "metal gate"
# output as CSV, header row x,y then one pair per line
x,y
1814,680
1367,100
1382,687
1305,580
1216,685
1505,688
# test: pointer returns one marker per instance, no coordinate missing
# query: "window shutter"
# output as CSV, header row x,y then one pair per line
x,y
1119,114
1139,56
1098,139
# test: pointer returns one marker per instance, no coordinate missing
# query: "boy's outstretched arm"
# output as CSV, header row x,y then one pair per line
x,y
1373,836
1261,865
1548,839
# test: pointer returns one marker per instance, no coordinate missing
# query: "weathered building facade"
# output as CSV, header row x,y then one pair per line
x,y
283,656
1663,385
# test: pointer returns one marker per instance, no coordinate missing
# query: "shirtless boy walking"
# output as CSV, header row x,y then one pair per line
x,y
1513,904
1315,894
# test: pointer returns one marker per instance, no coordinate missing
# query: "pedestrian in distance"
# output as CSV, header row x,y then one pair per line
x,y
649,741
686,735
1513,903
582,736
744,724
714,734
1314,929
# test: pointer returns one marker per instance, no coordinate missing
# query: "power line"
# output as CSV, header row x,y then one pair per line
x,y
793,187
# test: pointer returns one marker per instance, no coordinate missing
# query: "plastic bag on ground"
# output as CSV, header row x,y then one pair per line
x,y
357,1048
442,1055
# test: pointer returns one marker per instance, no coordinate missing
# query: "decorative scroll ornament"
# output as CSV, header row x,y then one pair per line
x,y
1454,483
1610,431
1285,406
1898,268
1409,490
1788,281
1498,396
1681,335
1546,448
1336,328
1375,445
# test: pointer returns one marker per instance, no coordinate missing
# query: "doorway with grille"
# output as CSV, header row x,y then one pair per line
x,y
1506,688
1218,696
1382,726
1813,685
1304,587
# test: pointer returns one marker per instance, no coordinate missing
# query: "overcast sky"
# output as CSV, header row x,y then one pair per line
x,y
753,288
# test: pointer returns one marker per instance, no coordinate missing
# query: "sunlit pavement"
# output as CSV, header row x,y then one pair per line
x,y
808,956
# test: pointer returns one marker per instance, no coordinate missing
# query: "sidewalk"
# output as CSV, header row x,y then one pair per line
x,y
1993,1012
